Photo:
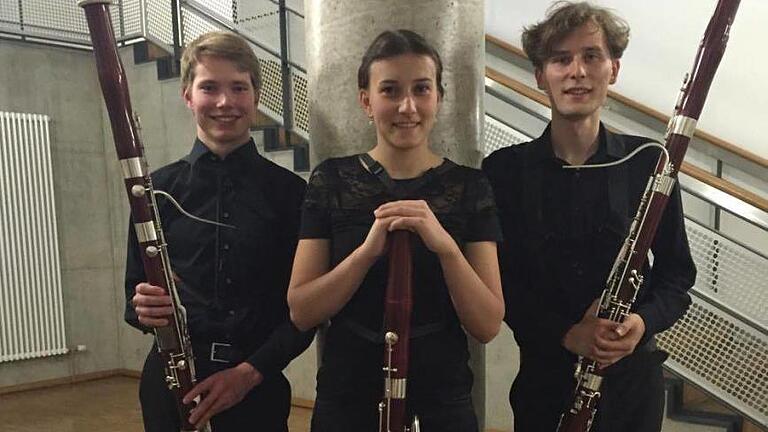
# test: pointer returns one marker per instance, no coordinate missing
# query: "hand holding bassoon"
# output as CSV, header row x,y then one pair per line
x,y
172,340
625,278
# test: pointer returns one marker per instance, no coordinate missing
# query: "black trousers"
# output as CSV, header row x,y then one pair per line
x,y
263,409
632,397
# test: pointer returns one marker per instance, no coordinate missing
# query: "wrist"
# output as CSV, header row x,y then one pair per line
x,y
364,255
452,252
251,374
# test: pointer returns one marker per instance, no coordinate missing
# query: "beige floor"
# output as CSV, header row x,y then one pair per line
x,y
104,405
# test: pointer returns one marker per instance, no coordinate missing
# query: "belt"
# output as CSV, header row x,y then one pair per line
x,y
219,352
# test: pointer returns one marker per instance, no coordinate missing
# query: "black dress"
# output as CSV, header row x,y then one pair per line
x,y
339,205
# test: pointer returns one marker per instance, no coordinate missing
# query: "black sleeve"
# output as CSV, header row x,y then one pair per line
x,y
285,342
528,310
672,274
134,274
315,212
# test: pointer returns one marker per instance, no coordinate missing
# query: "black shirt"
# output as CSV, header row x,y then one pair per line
x,y
234,281
341,198
563,230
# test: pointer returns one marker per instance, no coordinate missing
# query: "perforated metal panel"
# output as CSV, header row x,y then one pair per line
x,y
722,355
259,20
61,20
730,274
300,105
9,14
159,23
221,9
272,86
195,25
713,347
497,135
132,18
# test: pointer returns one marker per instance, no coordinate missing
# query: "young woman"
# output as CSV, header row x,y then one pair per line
x,y
340,270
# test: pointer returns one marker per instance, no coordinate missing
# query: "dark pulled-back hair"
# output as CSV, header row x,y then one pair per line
x,y
392,43
564,17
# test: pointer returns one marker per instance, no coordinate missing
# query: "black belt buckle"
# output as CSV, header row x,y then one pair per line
x,y
221,352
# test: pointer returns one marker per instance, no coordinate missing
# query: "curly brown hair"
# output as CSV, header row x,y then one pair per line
x,y
563,17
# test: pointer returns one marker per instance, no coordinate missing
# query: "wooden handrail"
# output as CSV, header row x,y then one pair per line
x,y
709,138
686,168
720,184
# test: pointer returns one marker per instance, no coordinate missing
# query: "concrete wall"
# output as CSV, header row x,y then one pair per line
x,y
59,83
90,203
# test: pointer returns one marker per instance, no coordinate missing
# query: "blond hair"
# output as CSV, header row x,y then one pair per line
x,y
223,45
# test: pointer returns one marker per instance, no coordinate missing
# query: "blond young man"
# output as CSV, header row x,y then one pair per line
x,y
233,277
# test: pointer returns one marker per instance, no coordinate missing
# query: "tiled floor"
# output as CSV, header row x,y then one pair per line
x,y
103,405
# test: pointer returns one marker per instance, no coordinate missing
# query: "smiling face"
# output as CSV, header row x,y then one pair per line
x,y
402,99
577,74
223,102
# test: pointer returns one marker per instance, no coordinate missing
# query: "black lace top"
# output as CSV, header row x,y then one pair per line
x,y
339,205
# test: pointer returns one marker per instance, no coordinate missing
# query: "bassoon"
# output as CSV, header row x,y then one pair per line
x,y
625,278
398,303
172,341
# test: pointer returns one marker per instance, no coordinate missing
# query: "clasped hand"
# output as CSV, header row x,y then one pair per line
x,y
602,340
411,215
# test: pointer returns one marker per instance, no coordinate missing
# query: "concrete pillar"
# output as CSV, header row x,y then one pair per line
x,y
337,34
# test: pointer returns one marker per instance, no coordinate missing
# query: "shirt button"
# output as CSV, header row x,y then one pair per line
x,y
226,215
226,246
231,313
229,281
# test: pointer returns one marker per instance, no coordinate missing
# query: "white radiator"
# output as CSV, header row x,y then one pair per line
x,y
31,307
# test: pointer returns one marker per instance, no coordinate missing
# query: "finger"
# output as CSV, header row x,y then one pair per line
x,y
202,409
401,210
218,406
414,224
153,322
198,390
154,311
151,290
604,357
205,418
617,347
633,323
383,223
151,300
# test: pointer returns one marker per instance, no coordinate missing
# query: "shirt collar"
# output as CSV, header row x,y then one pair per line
x,y
244,153
609,147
